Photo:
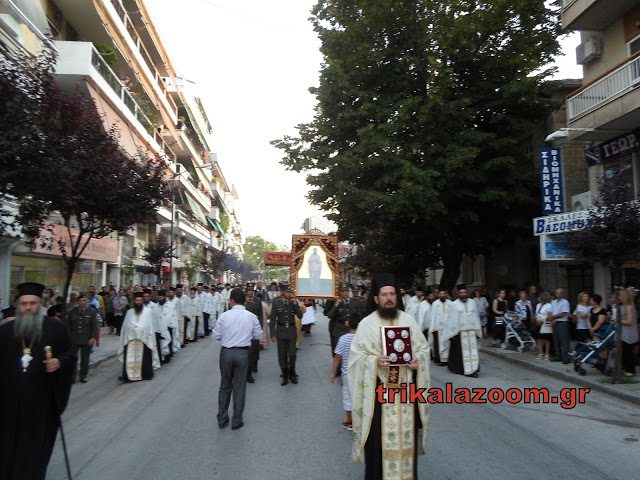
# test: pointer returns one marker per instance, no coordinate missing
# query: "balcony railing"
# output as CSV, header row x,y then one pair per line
x,y
130,27
123,92
605,89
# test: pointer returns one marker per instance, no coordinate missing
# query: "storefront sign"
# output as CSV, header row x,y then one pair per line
x,y
551,181
614,148
101,249
555,247
553,224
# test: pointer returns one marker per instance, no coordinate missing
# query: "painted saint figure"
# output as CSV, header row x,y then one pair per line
x,y
315,269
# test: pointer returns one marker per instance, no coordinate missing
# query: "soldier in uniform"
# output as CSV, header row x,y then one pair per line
x,y
253,305
83,326
282,324
339,316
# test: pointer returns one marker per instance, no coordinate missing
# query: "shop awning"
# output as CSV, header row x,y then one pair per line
x,y
195,208
217,227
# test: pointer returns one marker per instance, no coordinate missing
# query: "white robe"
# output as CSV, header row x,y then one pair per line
x,y
441,316
161,328
137,332
424,315
466,322
168,316
413,305
194,310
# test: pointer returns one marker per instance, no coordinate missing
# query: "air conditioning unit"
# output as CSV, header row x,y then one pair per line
x,y
589,50
582,201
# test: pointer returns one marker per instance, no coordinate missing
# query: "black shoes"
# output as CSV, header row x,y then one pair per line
x,y
250,379
223,425
83,380
236,427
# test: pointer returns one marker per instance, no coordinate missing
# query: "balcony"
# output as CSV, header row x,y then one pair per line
x,y
593,14
609,102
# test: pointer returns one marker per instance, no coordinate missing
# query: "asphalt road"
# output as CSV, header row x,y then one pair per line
x,y
166,428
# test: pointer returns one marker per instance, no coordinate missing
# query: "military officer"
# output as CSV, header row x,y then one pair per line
x,y
339,316
282,324
83,326
253,305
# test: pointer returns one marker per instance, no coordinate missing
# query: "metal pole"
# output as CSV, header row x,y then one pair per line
x,y
173,214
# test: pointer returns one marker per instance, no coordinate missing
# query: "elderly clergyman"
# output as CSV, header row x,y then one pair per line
x,y
389,447
37,362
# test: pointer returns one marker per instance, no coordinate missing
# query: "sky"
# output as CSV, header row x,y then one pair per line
x,y
252,62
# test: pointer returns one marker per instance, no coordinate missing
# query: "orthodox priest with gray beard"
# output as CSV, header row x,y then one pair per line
x,y
387,446
138,348
37,362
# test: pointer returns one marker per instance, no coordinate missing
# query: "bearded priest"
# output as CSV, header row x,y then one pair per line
x,y
388,433
138,348
37,363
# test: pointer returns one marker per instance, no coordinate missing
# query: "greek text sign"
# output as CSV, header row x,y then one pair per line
x,y
566,222
551,181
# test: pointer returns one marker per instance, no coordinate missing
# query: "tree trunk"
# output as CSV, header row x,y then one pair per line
x,y
71,265
451,260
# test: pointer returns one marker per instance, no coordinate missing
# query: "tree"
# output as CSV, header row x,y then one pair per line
x,y
414,148
98,190
254,248
611,236
611,233
158,252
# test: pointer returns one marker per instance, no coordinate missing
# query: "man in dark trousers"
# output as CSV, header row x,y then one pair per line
x,y
83,326
339,316
35,385
235,328
253,305
282,324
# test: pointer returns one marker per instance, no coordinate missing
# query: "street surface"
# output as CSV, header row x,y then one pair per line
x,y
166,428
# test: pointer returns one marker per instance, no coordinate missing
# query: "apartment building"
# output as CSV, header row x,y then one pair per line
x,y
112,51
603,115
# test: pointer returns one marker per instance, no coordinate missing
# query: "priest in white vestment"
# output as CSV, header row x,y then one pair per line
x,y
138,349
413,305
168,316
441,315
462,334
194,312
387,436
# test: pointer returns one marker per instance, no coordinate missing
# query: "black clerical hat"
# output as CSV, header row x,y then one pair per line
x,y
137,294
30,288
162,293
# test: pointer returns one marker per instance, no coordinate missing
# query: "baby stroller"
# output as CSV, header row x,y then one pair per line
x,y
516,333
595,353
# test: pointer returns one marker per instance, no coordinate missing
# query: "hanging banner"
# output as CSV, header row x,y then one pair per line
x,y
280,259
551,181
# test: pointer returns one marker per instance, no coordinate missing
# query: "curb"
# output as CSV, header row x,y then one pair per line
x,y
612,391
104,359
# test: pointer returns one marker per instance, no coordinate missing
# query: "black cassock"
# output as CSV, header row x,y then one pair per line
x,y
31,402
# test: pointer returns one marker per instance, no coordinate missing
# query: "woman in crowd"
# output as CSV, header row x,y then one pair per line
x,y
499,308
524,311
629,321
482,306
597,317
545,329
581,313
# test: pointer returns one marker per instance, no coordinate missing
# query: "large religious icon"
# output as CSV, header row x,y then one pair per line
x,y
314,265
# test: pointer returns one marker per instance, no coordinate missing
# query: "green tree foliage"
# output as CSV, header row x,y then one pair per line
x,y
414,147
158,252
611,234
254,248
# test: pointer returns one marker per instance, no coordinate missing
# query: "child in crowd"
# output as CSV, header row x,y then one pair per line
x,y
342,356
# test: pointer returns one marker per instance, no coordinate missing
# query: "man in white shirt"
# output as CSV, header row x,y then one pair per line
x,y
560,309
235,329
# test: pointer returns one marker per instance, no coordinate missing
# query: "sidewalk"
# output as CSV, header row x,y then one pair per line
x,y
594,379
108,348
